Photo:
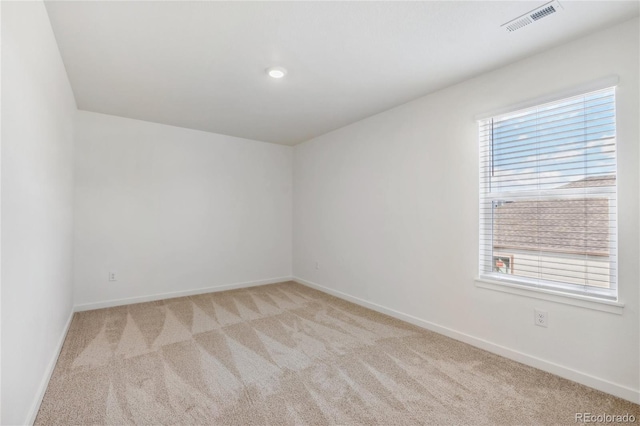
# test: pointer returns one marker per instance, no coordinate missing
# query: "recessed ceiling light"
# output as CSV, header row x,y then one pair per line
x,y
276,72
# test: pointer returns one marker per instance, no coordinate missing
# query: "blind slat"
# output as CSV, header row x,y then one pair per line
x,y
533,124
562,140
504,137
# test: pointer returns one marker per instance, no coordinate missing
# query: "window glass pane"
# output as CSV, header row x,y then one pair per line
x,y
548,194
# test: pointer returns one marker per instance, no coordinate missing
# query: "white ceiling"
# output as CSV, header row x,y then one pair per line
x,y
201,65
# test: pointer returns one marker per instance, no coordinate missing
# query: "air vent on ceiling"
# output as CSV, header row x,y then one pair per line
x,y
533,16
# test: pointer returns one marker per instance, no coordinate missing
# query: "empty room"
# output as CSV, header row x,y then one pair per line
x,y
320,213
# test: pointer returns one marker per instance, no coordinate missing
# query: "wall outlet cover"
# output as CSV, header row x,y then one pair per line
x,y
540,318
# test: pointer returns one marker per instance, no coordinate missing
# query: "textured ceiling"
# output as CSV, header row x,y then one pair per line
x,y
201,65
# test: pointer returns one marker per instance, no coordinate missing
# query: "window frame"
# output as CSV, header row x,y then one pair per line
x,y
487,199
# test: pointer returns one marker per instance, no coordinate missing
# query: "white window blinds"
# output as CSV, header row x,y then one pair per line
x,y
548,195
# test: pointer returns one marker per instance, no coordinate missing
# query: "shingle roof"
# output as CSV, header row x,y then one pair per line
x,y
576,225
592,181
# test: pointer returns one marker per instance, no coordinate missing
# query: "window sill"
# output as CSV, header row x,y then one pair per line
x,y
587,302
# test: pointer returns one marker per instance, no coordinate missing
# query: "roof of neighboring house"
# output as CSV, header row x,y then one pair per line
x,y
575,225
592,181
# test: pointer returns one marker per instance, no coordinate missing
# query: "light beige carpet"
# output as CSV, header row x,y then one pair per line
x,y
286,354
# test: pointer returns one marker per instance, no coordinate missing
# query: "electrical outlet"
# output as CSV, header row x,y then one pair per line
x,y
540,318
113,276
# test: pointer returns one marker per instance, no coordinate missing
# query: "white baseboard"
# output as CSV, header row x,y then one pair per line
x,y
623,392
170,295
35,406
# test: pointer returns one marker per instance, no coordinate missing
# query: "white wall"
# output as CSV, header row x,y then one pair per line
x,y
173,210
37,171
388,206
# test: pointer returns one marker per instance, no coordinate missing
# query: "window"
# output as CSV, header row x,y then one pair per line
x,y
548,196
